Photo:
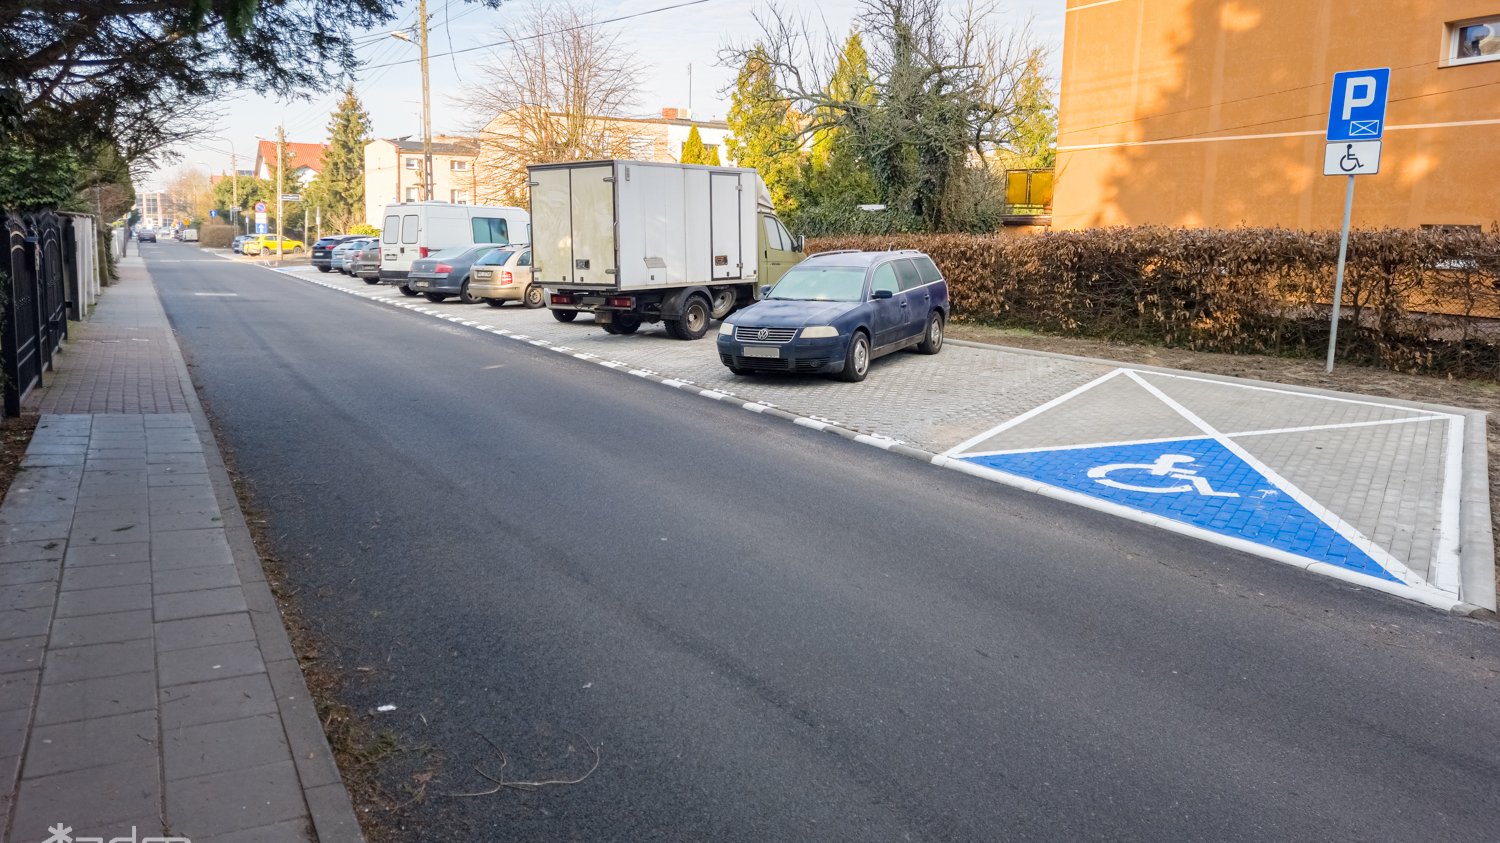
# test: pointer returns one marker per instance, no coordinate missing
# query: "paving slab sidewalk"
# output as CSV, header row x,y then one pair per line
x,y
147,685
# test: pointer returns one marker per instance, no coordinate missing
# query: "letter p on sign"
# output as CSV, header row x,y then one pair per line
x,y
1356,108
1359,92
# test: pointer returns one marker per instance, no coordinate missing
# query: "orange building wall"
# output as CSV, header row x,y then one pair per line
x,y
1212,113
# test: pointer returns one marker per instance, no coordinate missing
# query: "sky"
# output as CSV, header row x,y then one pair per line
x,y
666,42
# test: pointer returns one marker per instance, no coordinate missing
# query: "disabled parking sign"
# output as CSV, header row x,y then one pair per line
x,y
1198,482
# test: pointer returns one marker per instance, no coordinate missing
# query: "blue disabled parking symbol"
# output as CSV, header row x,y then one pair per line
x,y
1198,482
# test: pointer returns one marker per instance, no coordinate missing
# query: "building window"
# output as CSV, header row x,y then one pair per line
x,y
459,166
413,163
411,194
458,197
1474,41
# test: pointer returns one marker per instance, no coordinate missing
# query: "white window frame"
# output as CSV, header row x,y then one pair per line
x,y
1450,40
413,164
413,194
458,197
458,166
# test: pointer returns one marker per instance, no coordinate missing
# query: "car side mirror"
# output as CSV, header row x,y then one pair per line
x,y
801,243
765,290
881,294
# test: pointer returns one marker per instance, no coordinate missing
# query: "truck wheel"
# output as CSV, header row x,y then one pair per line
x,y
694,321
534,298
463,295
436,298
857,360
406,291
565,315
623,323
724,301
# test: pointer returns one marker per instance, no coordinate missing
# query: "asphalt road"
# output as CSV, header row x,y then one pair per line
x,y
770,633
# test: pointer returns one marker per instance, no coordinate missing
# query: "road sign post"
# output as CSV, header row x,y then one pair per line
x,y
1356,122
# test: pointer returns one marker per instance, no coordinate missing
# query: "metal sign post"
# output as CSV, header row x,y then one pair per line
x,y
1356,122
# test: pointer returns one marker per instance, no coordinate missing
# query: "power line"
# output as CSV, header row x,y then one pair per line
x,y
537,35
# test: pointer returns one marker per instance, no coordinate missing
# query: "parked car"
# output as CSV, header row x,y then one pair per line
x,y
236,245
367,264
837,311
342,251
322,250
145,235
266,243
505,275
415,230
446,273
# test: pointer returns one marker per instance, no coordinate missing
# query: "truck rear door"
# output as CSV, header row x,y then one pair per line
x,y
552,226
728,259
593,219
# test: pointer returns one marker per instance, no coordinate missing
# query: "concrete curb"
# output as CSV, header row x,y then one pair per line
x,y
1474,519
1476,563
323,790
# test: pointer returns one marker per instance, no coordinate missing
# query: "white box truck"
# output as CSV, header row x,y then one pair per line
x,y
640,241
413,230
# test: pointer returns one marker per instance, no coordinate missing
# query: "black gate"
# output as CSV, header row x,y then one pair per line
x,y
35,302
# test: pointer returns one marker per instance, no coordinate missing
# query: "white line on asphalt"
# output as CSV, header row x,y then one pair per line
x,y
1113,444
217,294
1033,412
1341,426
1296,393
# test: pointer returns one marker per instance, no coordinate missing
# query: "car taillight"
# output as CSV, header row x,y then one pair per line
x,y
442,267
506,278
421,251
561,298
621,301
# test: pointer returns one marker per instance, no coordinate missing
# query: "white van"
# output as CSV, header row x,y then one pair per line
x,y
412,230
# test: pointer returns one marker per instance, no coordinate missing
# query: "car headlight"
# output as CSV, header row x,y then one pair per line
x,y
725,329
818,331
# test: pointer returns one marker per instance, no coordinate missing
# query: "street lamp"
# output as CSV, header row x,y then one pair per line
x,y
426,101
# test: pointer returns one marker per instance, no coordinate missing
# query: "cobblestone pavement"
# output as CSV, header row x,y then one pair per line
x,y
1381,479
147,686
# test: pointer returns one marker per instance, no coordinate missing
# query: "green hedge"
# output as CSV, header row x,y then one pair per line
x,y
1414,300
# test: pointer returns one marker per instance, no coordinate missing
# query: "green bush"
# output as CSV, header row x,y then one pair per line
x,y
365,229
215,236
1414,300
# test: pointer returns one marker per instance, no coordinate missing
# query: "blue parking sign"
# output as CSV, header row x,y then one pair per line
x,y
1356,110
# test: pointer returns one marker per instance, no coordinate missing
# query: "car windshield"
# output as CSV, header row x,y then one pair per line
x,y
821,283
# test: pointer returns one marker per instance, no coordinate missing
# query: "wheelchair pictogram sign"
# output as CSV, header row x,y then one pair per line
x,y
1171,466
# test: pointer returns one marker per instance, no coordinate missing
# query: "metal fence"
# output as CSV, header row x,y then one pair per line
x,y
34,280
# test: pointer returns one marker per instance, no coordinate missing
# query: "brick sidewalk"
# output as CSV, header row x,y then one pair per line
x,y
147,686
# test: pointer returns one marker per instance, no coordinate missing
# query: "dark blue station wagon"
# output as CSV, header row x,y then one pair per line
x,y
837,311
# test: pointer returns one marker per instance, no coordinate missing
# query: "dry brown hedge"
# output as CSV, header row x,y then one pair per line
x,y
1414,300
215,236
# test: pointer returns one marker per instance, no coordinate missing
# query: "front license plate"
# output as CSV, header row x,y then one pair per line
x,y
761,351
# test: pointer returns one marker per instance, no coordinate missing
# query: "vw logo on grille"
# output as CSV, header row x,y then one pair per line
x,y
763,333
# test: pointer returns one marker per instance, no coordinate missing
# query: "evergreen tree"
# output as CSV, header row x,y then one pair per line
x,y
711,156
693,151
763,130
836,173
339,190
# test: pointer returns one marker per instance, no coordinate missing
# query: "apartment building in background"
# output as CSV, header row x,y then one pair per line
x,y
1212,112
393,172
305,160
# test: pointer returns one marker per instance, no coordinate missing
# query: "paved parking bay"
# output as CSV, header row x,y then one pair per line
x,y
1388,494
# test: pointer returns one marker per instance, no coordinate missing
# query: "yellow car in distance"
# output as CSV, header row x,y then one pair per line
x,y
266,244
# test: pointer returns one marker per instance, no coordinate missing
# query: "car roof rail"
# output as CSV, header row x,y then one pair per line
x,y
835,252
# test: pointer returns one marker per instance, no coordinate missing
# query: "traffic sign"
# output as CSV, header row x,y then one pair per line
x,y
213,213
291,197
260,228
260,207
1356,110
1355,158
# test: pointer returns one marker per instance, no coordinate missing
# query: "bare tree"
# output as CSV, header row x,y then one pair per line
x,y
192,193
549,95
950,89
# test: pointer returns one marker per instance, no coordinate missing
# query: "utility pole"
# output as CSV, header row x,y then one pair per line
x,y
426,106
234,184
280,138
